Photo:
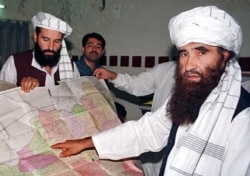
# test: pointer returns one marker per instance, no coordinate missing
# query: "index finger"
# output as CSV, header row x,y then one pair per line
x,y
57,146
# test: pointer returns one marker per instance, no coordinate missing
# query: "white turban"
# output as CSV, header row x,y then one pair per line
x,y
209,25
48,21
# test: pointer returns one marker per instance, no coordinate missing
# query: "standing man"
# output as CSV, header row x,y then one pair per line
x,y
205,123
48,62
93,48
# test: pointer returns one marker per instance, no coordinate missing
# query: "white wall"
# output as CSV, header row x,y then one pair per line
x,y
130,27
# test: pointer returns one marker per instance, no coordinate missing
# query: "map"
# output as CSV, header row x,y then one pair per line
x,y
31,122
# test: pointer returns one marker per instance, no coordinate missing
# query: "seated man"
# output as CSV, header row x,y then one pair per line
x,y
48,62
205,123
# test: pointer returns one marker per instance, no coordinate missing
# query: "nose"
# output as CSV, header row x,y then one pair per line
x,y
190,63
94,48
51,45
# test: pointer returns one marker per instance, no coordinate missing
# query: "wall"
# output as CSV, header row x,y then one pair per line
x,y
130,27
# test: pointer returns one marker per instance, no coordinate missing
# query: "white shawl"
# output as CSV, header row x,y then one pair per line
x,y
202,149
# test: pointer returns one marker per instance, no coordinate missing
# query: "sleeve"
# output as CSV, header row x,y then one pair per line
x,y
149,133
8,71
146,82
237,158
139,85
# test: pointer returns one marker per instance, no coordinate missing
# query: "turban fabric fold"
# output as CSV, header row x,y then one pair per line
x,y
51,22
48,21
209,25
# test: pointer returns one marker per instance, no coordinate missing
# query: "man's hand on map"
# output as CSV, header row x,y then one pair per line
x,y
73,147
29,83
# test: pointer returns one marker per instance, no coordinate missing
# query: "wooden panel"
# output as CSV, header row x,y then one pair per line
x,y
163,59
136,61
245,64
124,61
149,61
113,60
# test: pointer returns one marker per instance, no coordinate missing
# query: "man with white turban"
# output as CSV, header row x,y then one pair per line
x,y
205,123
48,62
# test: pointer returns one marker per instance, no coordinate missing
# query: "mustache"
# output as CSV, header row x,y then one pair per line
x,y
49,51
192,72
94,52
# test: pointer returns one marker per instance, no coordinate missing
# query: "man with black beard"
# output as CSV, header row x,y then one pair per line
x,y
48,62
188,94
205,123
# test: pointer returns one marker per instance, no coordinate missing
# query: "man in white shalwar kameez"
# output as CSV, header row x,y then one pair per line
x,y
205,123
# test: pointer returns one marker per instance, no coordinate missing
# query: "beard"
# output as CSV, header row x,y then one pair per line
x,y
188,96
46,60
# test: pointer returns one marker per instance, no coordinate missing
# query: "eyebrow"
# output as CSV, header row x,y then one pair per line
x,y
92,43
201,48
45,37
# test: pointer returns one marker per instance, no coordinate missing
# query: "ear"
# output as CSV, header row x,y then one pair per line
x,y
226,55
82,49
35,36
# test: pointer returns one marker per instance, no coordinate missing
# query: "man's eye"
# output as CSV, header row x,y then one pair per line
x,y
202,52
58,41
183,54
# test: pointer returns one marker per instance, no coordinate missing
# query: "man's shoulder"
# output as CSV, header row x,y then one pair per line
x,y
23,53
23,59
244,101
80,62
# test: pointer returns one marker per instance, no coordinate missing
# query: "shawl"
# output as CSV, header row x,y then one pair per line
x,y
204,146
